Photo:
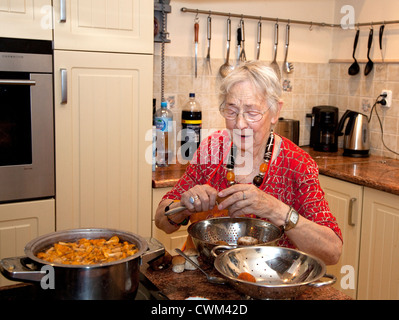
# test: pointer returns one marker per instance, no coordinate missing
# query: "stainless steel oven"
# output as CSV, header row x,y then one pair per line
x,y
26,120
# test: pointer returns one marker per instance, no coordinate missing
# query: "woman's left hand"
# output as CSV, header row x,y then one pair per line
x,y
243,199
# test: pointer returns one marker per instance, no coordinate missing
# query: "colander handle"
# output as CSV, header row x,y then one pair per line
x,y
332,280
222,247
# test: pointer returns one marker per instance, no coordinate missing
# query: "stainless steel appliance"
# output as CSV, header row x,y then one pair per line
x,y
288,128
26,119
323,132
357,135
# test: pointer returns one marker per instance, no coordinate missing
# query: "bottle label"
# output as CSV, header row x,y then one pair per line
x,y
191,121
164,124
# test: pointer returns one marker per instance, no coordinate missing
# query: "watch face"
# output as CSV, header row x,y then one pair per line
x,y
294,217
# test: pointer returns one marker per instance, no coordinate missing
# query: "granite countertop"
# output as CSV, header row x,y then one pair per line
x,y
193,283
376,172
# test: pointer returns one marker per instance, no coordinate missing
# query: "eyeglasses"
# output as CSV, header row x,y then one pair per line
x,y
249,116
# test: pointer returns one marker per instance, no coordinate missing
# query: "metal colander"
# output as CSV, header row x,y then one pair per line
x,y
207,234
280,273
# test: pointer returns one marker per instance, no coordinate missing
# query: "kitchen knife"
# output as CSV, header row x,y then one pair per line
x,y
238,44
196,30
380,40
259,37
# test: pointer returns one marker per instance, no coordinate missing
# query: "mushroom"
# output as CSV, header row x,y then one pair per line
x,y
247,241
178,263
193,255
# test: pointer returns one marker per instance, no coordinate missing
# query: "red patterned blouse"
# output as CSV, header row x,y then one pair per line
x,y
292,178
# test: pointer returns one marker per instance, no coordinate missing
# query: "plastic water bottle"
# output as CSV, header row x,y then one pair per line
x,y
163,122
191,119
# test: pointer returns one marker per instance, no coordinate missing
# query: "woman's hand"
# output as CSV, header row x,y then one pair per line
x,y
242,199
199,198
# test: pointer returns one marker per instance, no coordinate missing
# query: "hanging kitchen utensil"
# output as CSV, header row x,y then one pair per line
x,y
243,57
259,39
380,41
196,30
274,63
369,64
238,44
287,66
208,55
227,67
354,68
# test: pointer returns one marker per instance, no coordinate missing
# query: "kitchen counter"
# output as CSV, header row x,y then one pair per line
x,y
376,172
193,283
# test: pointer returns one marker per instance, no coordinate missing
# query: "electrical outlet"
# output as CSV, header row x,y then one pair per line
x,y
388,98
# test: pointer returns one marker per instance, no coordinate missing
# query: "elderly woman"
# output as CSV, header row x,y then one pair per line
x,y
247,170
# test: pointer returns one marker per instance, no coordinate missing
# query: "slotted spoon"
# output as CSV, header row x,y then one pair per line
x,y
288,67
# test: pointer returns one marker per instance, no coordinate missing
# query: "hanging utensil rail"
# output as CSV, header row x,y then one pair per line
x,y
310,23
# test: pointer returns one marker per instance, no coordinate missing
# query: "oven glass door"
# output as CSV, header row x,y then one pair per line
x,y
15,119
26,136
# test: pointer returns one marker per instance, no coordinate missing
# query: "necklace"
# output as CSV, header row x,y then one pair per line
x,y
263,168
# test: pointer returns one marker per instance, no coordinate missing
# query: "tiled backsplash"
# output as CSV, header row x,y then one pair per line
x,y
310,84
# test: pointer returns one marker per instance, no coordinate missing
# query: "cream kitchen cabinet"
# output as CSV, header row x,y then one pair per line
x,y
345,201
170,241
103,128
27,19
104,25
379,253
21,222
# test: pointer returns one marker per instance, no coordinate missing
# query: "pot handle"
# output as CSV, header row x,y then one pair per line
x,y
222,247
155,250
17,268
332,280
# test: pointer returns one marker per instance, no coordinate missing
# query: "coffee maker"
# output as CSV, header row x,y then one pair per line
x,y
323,133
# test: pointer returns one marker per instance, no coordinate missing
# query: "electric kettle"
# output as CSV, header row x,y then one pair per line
x,y
357,134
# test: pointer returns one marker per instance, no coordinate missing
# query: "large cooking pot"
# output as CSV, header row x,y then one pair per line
x,y
280,273
207,234
106,281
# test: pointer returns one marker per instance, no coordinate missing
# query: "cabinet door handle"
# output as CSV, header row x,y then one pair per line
x,y
350,213
62,10
64,86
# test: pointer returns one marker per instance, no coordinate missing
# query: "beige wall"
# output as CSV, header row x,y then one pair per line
x,y
315,81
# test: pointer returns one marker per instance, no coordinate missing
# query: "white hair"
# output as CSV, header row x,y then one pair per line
x,y
262,77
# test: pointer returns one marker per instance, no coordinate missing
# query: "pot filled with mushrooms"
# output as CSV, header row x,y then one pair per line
x,y
84,264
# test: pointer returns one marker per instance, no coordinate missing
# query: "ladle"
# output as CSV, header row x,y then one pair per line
x,y
369,64
226,68
211,279
354,68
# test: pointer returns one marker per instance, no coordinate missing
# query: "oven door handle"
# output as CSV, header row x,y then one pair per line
x,y
17,82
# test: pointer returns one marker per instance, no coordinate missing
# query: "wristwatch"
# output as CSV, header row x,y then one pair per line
x,y
292,219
